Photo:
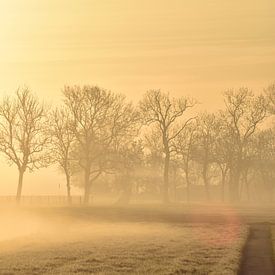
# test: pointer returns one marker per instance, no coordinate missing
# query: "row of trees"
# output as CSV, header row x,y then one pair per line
x,y
160,144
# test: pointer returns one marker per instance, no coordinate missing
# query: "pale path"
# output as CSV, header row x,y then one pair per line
x,y
258,255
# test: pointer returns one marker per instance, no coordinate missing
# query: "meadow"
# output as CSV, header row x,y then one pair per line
x,y
114,240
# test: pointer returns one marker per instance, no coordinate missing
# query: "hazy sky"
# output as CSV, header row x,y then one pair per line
x,y
195,47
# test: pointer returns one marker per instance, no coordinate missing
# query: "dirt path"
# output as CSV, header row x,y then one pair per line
x,y
257,257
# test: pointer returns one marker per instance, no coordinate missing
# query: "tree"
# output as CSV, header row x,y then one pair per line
x,y
262,159
129,161
164,112
244,112
223,151
23,138
207,132
62,144
127,156
99,119
184,145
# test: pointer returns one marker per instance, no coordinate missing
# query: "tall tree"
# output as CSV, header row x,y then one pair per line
x,y
23,133
62,143
184,145
99,118
165,112
223,150
244,112
207,132
262,159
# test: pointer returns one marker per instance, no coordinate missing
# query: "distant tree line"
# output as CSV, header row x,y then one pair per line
x,y
160,145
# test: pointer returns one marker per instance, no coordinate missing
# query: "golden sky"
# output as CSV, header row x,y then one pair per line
x,y
195,47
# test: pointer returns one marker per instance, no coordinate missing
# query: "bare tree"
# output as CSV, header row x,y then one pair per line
x,y
244,112
99,119
22,133
62,143
129,160
262,160
206,135
128,155
184,145
165,112
223,151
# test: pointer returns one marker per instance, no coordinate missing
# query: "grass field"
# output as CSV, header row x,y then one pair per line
x,y
76,241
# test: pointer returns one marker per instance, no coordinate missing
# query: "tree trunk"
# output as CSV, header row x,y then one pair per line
x,y
270,193
166,178
234,185
235,174
247,187
125,196
223,185
205,179
20,185
187,186
188,191
68,188
175,185
86,185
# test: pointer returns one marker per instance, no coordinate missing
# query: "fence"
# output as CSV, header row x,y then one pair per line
x,y
43,200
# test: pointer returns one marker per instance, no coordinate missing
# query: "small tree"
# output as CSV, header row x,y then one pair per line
x,y
165,112
62,144
23,133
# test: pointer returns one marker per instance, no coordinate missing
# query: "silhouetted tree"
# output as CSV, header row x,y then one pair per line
x,y
262,159
99,118
207,132
62,143
184,145
23,138
223,151
165,112
244,112
129,160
